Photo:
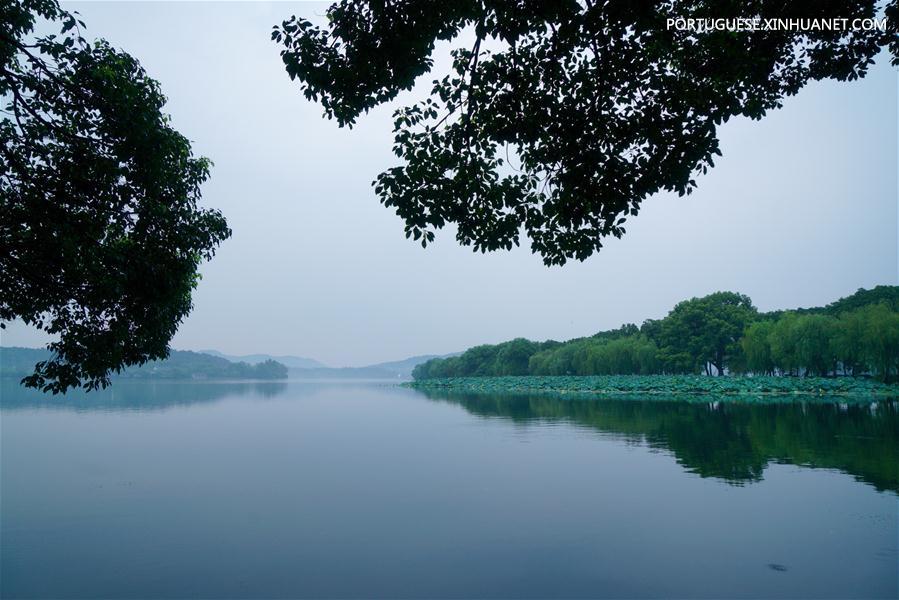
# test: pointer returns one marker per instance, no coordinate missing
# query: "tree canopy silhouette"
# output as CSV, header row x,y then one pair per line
x,y
578,111
100,233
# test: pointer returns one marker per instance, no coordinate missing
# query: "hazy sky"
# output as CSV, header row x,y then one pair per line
x,y
800,210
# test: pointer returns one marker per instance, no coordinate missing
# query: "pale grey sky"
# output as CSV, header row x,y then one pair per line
x,y
800,210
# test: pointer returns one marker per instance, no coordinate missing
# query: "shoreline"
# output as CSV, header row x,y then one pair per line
x,y
675,387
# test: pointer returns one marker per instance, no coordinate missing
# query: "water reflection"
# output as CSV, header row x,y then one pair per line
x,y
140,396
730,441
280,491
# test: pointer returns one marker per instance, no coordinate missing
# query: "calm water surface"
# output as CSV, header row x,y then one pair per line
x,y
369,490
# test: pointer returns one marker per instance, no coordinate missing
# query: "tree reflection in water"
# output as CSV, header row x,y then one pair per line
x,y
730,441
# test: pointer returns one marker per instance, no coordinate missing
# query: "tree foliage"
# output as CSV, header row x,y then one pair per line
x,y
722,330
631,355
560,117
707,329
757,348
100,233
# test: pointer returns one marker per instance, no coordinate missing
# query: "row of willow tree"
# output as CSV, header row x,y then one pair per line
x,y
718,334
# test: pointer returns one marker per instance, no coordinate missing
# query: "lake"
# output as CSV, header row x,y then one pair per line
x,y
305,489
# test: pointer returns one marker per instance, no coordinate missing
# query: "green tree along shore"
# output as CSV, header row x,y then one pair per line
x,y
722,333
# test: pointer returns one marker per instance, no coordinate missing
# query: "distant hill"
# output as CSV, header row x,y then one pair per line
x,y
19,362
212,364
403,368
397,369
184,364
291,362
345,373
308,368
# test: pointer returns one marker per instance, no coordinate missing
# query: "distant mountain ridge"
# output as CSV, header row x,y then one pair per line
x,y
291,362
308,368
212,364
404,367
398,364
